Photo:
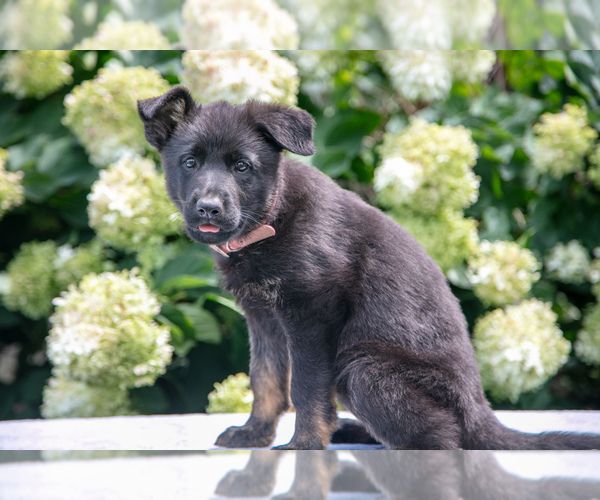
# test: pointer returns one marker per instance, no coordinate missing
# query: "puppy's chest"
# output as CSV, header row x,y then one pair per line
x,y
253,288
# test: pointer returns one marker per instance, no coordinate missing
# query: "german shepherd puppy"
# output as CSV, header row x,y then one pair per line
x,y
340,300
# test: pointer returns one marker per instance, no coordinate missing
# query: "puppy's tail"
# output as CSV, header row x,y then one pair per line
x,y
494,436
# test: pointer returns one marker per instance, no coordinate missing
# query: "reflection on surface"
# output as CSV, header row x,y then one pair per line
x,y
332,474
398,474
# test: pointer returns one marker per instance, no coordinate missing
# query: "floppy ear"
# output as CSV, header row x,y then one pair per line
x,y
288,128
161,115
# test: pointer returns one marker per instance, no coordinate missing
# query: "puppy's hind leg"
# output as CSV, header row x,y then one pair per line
x,y
390,392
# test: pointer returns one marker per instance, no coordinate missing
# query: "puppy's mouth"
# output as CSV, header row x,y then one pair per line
x,y
208,228
211,234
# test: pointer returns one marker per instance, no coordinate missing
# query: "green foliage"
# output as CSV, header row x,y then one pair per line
x,y
356,106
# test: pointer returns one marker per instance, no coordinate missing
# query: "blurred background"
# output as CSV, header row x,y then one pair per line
x,y
295,24
490,158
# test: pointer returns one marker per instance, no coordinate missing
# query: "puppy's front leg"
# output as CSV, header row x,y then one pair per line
x,y
312,389
269,380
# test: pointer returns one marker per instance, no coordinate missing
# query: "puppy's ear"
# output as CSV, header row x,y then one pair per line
x,y
161,115
288,128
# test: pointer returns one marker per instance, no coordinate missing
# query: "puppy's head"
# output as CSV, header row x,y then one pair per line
x,y
221,160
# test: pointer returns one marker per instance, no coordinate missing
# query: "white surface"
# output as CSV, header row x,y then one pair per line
x,y
199,431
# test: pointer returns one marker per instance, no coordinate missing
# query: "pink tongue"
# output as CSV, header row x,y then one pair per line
x,y
209,228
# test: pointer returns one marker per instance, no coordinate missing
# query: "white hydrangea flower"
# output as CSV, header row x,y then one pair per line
x,y
561,142
128,205
66,398
12,193
568,263
445,156
40,270
502,272
233,395
35,24
103,332
587,345
424,76
416,24
35,73
470,66
436,24
418,75
31,275
398,179
471,21
126,35
239,75
519,348
229,24
102,113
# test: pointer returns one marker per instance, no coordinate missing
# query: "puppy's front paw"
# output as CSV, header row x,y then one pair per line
x,y
301,445
244,437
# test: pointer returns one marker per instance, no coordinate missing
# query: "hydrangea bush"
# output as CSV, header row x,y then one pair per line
x,y
35,73
502,272
435,24
102,113
67,398
437,171
519,348
233,395
450,158
35,24
426,179
229,24
11,188
428,75
568,263
40,270
239,75
104,336
129,35
129,207
562,140
587,345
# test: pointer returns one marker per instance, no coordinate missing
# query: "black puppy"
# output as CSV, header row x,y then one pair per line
x,y
337,296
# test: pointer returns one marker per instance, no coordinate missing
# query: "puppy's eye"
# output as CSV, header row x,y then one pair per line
x,y
189,163
242,166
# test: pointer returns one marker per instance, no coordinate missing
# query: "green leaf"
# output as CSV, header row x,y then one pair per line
x,y
497,184
206,328
333,162
195,261
183,282
224,301
346,129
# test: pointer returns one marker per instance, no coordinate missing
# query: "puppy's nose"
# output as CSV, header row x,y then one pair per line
x,y
209,207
